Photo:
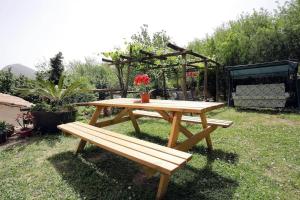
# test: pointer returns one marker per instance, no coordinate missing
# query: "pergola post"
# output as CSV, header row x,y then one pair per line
x,y
164,85
205,80
217,83
183,80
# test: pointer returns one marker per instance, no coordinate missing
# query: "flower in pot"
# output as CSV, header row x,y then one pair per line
x,y
24,120
142,81
52,110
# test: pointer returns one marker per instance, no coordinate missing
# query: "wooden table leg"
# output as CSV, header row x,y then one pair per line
x,y
162,187
204,125
93,121
175,129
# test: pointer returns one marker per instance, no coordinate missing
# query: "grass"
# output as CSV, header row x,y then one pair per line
x,y
257,158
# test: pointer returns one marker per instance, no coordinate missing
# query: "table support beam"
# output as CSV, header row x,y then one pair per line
x,y
189,143
182,129
134,122
175,129
204,126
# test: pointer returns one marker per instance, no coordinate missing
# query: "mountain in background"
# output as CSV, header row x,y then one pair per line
x,y
18,69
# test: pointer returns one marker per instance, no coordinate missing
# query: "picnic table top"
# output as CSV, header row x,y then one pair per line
x,y
156,104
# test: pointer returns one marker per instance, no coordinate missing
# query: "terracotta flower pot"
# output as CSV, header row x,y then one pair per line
x,y
145,97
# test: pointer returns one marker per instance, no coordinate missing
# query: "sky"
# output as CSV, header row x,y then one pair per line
x,y
32,31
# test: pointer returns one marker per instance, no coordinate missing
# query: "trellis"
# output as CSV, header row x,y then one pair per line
x,y
149,57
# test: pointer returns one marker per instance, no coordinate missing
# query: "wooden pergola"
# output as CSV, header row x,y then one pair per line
x,y
149,57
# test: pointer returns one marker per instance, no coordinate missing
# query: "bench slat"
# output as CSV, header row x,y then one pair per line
x,y
134,146
156,147
222,123
142,158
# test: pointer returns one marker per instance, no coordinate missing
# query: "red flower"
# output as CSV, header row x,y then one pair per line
x,y
191,74
141,79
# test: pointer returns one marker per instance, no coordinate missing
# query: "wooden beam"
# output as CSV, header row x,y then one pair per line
x,y
204,125
147,53
164,85
107,60
217,84
126,57
93,121
205,81
134,122
183,78
175,47
175,129
196,61
162,187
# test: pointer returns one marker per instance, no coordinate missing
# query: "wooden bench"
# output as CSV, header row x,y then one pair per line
x,y
162,159
191,119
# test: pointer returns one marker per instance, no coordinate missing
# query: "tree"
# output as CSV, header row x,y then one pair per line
x,y
6,81
56,68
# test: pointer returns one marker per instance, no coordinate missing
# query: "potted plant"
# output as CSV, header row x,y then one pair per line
x,y
142,81
6,130
3,135
10,129
53,110
24,120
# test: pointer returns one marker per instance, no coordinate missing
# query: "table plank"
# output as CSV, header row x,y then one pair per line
x,y
156,104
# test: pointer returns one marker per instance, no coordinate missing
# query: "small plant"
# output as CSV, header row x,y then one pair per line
x,y
142,81
24,120
6,130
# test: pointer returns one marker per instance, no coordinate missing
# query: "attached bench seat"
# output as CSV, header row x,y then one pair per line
x,y
191,119
157,157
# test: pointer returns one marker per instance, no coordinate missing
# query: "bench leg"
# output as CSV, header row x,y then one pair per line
x,y
209,143
162,187
80,146
93,121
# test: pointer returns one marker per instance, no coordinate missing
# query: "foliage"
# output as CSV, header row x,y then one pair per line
x,y
56,94
43,70
57,68
99,75
143,40
9,84
6,81
257,37
5,127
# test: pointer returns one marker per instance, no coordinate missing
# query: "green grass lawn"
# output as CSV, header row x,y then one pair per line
x,y
256,158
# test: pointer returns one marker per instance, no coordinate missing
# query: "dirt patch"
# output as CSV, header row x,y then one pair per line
x,y
280,121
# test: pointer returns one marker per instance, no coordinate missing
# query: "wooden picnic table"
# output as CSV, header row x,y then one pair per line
x,y
170,110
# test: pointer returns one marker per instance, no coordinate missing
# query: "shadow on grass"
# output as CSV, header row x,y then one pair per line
x,y
215,154
269,111
21,143
98,174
